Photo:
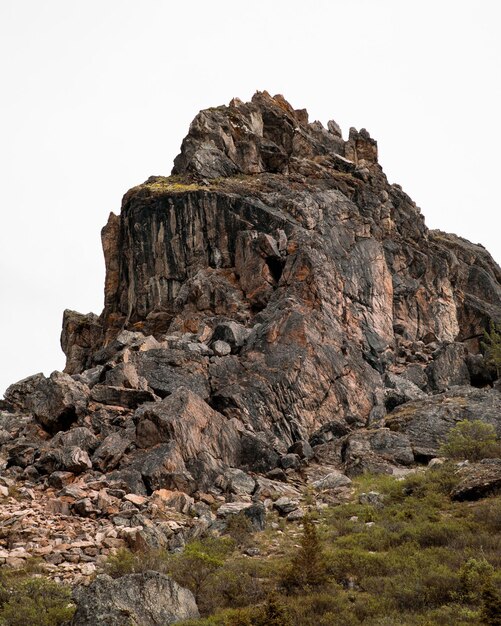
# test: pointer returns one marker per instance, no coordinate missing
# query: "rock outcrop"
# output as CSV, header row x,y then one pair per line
x,y
148,599
276,313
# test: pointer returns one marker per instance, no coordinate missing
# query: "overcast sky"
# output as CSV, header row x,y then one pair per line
x,y
97,95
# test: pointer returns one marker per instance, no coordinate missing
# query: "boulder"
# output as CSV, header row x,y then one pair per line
x,y
121,396
478,480
56,402
376,450
205,440
448,368
400,390
110,451
333,480
426,422
147,599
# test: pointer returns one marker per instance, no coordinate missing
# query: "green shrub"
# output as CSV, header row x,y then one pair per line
x,y
34,601
472,440
474,576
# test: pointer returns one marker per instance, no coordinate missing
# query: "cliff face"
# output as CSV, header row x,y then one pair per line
x,y
329,272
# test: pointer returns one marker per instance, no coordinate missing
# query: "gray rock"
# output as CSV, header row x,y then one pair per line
x,y
148,599
376,450
290,461
399,390
110,451
221,348
80,436
302,449
121,396
285,505
372,498
448,368
254,511
239,482
478,480
56,402
334,480
426,422
90,376
231,333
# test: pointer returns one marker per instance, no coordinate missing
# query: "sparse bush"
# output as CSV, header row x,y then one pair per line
x,y
123,562
36,601
474,576
239,528
472,440
491,606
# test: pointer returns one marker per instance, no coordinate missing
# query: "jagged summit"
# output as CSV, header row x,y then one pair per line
x,y
266,135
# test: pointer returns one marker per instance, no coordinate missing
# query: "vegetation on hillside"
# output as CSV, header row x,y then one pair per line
x,y
412,557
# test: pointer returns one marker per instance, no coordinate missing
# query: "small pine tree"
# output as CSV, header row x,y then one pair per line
x,y
273,613
307,569
491,606
492,347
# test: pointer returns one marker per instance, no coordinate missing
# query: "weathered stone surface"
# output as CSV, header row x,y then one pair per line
x,y
56,402
448,368
376,450
205,440
110,451
148,599
478,480
167,369
120,396
400,390
79,337
333,480
426,422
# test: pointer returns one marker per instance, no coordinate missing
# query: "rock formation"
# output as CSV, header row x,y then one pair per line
x,y
275,311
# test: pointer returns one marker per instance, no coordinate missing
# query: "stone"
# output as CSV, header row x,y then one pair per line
x,y
400,390
372,498
56,402
58,480
333,480
79,336
205,440
448,367
110,451
80,437
478,480
426,422
232,334
221,348
135,499
121,396
69,459
290,461
239,482
254,511
376,450
147,599
302,449
285,505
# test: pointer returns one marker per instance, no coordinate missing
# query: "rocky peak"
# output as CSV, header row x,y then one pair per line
x,y
275,309
265,135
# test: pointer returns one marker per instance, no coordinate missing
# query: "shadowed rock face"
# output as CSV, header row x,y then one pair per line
x,y
284,227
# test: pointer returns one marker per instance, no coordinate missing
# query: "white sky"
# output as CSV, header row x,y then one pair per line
x,y
96,95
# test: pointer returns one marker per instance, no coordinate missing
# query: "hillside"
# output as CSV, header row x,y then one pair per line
x,y
279,327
